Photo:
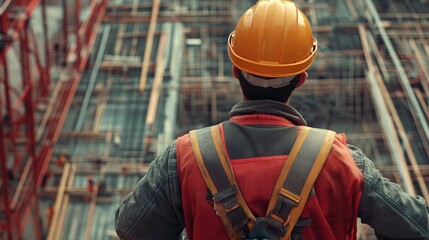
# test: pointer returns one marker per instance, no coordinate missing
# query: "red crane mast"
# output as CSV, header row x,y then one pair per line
x,y
25,84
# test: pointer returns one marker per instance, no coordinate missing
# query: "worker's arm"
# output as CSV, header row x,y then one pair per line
x,y
386,207
153,210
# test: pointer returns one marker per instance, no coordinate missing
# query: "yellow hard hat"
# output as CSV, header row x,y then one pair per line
x,y
272,39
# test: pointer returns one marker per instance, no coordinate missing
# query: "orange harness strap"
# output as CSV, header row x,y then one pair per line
x,y
296,180
292,189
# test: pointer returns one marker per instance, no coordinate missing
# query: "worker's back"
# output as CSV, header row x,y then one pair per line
x,y
257,154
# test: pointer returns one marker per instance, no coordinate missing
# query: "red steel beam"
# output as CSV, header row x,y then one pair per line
x,y
11,19
46,77
27,96
65,30
4,186
30,127
88,31
14,17
13,22
59,113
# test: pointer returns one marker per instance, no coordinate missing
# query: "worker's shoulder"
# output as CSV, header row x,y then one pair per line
x,y
200,129
340,137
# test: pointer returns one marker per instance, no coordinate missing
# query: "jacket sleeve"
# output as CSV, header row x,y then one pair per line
x,y
387,208
153,210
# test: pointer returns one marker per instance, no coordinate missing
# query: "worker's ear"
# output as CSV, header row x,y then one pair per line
x,y
302,77
236,72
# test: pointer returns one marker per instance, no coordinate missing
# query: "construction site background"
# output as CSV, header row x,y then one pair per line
x,y
93,90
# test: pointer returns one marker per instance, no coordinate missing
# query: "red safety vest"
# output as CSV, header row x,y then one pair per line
x,y
333,210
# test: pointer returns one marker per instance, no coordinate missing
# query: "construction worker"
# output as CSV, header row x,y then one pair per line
x,y
271,49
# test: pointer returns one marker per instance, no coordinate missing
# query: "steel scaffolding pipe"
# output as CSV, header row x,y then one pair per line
x,y
405,82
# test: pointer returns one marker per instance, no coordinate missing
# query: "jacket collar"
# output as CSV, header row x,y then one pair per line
x,y
267,107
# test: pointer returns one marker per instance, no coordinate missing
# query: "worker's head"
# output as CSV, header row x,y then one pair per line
x,y
271,48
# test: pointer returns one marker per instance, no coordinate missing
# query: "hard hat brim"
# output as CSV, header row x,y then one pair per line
x,y
271,69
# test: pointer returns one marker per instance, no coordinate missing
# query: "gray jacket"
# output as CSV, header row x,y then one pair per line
x,y
153,210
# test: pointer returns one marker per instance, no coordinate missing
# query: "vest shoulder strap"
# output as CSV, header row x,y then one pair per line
x,y
217,172
290,193
297,177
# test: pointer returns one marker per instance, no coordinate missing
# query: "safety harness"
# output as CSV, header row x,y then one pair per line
x,y
290,193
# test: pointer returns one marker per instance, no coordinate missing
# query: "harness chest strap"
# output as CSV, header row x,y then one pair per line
x,y
290,193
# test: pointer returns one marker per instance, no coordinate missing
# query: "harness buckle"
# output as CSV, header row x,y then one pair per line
x,y
286,201
227,198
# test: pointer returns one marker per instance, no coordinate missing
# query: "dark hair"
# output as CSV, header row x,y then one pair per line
x,y
281,94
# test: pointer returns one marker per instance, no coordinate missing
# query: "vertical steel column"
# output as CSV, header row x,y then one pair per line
x,y
65,48
77,28
5,177
45,77
30,125
28,89
4,186
7,87
6,84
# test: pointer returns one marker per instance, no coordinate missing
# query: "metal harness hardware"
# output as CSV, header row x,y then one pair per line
x,y
227,199
290,193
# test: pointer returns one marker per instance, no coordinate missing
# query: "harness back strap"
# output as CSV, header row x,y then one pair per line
x,y
217,173
290,193
297,177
